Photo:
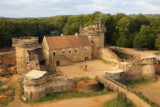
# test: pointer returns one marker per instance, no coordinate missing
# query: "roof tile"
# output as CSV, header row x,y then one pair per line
x,y
71,41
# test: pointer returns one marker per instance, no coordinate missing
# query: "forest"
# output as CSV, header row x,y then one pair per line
x,y
137,30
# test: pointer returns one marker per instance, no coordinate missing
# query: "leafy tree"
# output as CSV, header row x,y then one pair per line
x,y
123,42
145,38
157,42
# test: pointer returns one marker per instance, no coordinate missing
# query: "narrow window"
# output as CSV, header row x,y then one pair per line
x,y
63,52
85,49
54,53
69,51
75,50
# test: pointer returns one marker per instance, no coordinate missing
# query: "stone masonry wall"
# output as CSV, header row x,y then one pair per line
x,y
70,55
8,64
45,51
35,89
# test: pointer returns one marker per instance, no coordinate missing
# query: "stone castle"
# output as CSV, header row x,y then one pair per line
x,y
59,50
65,50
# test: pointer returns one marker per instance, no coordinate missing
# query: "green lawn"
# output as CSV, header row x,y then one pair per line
x,y
132,83
107,61
120,101
157,53
67,95
3,83
10,99
121,54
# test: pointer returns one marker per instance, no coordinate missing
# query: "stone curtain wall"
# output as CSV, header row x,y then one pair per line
x,y
35,89
143,68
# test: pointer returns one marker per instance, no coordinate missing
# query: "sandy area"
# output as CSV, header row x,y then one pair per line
x,y
151,90
95,67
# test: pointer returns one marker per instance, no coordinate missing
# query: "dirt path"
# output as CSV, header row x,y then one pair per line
x,y
14,81
96,101
151,91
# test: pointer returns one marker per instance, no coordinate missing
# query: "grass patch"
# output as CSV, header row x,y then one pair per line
x,y
157,53
120,101
68,95
121,54
107,62
132,83
3,83
82,79
141,96
10,99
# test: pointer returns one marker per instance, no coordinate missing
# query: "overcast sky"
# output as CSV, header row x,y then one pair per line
x,y
43,8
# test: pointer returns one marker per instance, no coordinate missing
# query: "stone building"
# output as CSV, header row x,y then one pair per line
x,y
142,68
38,83
64,50
28,53
148,66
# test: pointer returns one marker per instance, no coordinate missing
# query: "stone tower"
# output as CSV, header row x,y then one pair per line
x,y
148,66
96,35
26,55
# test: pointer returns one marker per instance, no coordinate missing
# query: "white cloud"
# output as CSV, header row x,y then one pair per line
x,y
40,8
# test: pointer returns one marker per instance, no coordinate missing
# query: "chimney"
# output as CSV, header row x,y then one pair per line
x,y
76,34
61,34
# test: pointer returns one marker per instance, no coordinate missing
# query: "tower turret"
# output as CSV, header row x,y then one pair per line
x,y
96,35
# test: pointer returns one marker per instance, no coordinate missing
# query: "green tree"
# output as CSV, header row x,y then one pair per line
x,y
123,42
145,38
157,42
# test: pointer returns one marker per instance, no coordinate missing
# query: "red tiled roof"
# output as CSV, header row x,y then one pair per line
x,y
60,42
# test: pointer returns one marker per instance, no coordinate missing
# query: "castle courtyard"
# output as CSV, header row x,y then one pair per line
x,y
95,67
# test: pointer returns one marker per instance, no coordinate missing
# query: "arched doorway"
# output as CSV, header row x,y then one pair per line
x,y
86,58
57,63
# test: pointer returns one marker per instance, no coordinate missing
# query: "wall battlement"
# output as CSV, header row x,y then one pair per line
x,y
25,42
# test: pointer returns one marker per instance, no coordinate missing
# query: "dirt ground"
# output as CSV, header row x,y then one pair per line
x,y
95,67
151,90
